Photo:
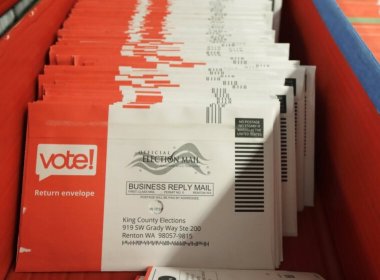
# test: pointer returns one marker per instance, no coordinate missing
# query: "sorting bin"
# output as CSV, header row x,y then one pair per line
x,y
339,238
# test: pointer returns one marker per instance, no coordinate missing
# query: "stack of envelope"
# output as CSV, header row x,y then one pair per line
x,y
172,133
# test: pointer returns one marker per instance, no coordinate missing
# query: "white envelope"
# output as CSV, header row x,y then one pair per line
x,y
222,225
171,273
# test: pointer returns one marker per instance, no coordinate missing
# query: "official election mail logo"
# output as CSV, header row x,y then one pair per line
x,y
66,160
160,162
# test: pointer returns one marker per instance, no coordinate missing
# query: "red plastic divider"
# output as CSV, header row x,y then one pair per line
x,y
348,130
348,148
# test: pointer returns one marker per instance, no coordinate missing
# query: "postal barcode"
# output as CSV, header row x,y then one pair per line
x,y
284,151
214,114
222,98
249,177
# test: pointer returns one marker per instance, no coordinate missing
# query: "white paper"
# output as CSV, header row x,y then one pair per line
x,y
169,273
223,237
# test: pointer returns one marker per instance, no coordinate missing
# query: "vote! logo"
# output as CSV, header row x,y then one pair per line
x,y
66,160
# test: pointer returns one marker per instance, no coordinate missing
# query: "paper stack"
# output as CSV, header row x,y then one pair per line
x,y
168,133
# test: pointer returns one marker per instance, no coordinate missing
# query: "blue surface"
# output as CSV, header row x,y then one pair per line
x,y
360,58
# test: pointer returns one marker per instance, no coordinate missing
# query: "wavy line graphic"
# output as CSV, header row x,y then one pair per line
x,y
189,147
179,157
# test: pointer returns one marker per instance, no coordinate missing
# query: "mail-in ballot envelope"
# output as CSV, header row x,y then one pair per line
x,y
120,189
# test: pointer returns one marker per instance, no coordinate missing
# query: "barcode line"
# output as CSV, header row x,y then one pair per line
x,y
249,177
284,151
